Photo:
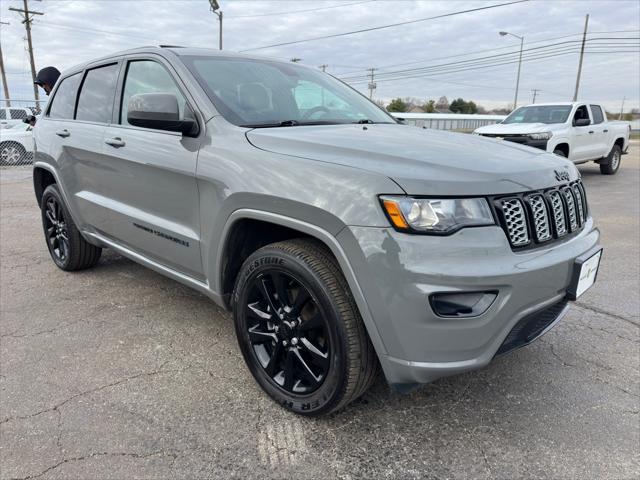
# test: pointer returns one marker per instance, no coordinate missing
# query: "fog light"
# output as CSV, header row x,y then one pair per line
x,y
461,305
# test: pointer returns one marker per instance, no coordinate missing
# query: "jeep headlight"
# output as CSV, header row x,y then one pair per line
x,y
436,215
541,136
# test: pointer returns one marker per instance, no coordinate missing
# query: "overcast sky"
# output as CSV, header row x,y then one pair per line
x,y
72,31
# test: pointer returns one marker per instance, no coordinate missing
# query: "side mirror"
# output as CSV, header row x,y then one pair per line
x,y
582,122
159,111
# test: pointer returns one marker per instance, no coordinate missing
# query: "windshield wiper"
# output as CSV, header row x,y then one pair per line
x,y
363,121
291,123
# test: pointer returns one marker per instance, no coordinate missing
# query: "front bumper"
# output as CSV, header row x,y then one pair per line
x,y
398,272
522,140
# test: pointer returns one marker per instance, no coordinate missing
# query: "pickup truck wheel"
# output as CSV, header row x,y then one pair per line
x,y
68,249
612,163
299,329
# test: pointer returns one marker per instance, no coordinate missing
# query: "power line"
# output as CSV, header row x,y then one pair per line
x,y
391,25
299,11
532,58
91,30
486,50
492,58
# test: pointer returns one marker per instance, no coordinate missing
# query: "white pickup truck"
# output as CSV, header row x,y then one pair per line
x,y
579,131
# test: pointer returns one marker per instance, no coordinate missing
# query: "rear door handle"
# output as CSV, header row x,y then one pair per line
x,y
116,142
63,133
605,131
590,131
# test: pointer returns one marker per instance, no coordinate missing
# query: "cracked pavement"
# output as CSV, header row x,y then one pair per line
x,y
118,372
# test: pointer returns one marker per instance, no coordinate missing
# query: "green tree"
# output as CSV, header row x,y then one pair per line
x,y
397,105
460,106
430,106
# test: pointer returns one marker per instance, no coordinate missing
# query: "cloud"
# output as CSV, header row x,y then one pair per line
x,y
74,31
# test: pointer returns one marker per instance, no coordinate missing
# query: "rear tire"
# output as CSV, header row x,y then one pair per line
x,y
299,329
68,249
612,162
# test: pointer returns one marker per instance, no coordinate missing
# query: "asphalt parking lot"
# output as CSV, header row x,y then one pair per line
x,y
118,372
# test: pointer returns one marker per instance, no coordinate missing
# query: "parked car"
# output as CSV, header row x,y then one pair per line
x,y
340,239
12,116
578,131
16,144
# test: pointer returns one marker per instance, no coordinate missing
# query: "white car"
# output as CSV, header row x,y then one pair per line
x,y
16,144
10,116
579,131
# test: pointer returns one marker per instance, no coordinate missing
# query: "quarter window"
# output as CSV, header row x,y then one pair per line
x,y
96,95
146,76
598,117
64,101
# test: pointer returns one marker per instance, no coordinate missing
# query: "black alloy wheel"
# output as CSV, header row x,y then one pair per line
x,y
67,247
299,329
288,331
56,230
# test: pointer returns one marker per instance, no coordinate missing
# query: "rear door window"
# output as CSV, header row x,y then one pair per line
x,y
64,101
597,114
95,103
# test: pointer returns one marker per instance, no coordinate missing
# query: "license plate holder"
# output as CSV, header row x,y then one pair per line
x,y
585,272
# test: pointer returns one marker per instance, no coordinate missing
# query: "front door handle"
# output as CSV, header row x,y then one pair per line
x,y
590,131
116,142
605,131
63,133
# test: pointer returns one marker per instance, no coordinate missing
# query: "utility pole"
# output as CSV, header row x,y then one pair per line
x,y
323,67
584,40
372,85
622,108
502,34
535,94
215,8
5,86
295,60
27,18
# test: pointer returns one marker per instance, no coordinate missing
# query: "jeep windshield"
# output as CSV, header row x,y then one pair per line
x,y
540,114
261,93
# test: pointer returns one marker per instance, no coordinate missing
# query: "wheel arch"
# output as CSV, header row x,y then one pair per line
x,y
281,228
42,178
620,142
564,147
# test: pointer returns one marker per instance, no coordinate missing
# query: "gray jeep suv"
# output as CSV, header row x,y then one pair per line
x,y
340,239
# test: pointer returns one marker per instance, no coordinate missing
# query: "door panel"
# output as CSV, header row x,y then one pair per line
x,y
149,195
147,188
600,132
583,142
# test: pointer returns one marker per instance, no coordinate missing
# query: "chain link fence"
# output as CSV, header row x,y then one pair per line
x,y
16,137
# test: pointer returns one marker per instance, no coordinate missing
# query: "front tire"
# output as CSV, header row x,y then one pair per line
x,y
12,153
68,249
612,163
299,329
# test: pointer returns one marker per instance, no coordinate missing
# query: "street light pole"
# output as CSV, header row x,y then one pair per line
x,y
515,100
215,8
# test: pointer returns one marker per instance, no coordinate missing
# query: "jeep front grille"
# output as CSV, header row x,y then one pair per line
x,y
536,217
515,219
540,218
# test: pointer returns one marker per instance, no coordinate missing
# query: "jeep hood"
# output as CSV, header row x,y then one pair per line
x,y
516,128
421,161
